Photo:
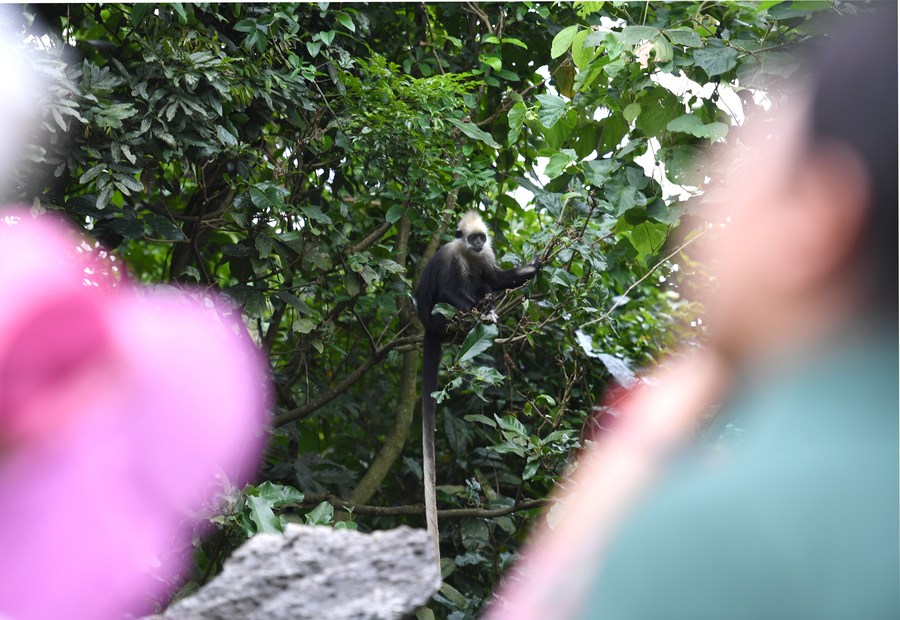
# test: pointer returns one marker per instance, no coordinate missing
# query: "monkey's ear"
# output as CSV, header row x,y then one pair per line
x,y
459,234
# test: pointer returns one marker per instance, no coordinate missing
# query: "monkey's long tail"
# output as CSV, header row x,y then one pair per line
x,y
431,358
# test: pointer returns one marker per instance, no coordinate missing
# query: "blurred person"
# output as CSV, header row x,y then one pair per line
x,y
126,413
800,518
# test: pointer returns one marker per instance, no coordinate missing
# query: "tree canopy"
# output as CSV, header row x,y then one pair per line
x,y
306,159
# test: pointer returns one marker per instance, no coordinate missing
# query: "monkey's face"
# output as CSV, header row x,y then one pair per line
x,y
473,241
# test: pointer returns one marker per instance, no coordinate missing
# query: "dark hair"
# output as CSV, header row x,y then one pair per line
x,y
854,101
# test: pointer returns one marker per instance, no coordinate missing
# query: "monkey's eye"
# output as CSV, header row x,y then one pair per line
x,y
476,237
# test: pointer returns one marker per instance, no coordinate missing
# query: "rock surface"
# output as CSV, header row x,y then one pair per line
x,y
319,572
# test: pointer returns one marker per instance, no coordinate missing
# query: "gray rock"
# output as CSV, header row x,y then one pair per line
x,y
319,572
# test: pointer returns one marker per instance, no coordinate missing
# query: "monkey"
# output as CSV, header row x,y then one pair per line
x,y
464,274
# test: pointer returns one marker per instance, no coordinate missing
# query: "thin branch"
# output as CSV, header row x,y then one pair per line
x,y
431,35
619,301
365,329
419,509
474,8
510,102
343,386
369,239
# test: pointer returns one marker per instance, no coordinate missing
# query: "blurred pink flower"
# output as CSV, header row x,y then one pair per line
x,y
120,408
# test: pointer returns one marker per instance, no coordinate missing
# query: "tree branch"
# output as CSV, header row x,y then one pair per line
x,y
369,239
609,312
343,386
419,509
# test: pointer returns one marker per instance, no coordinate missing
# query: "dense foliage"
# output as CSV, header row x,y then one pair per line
x,y
306,160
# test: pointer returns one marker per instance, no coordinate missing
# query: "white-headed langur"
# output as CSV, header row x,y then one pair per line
x,y
464,274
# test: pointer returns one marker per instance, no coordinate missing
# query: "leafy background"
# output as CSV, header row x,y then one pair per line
x,y
306,159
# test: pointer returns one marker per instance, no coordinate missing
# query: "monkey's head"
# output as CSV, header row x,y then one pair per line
x,y
472,233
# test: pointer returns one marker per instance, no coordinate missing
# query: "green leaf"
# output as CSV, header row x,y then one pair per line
x,y
515,118
632,35
263,245
684,36
445,310
313,48
104,197
558,162
631,111
582,55
179,9
648,238
508,447
512,424
262,516
294,301
225,136
658,107
128,228
268,195
424,613
126,151
327,36
314,213
346,525
278,495
128,184
552,109
395,213
766,5
472,130
454,596
562,41
716,59
303,326
663,49
163,228
92,174
493,62
597,171
475,417
320,515
193,272
477,341
684,165
514,41
138,12
587,8
691,124
346,21
597,38
531,469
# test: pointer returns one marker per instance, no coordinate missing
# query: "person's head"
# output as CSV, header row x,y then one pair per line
x,y
813,201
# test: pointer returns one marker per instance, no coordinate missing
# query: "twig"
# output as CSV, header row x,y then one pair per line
x,y
369,239
343,386
431,34
619,301
419,509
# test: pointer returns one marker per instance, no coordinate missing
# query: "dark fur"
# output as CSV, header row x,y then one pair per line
x,y
463,285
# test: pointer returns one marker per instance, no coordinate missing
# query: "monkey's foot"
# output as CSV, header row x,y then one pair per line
x,y
490,317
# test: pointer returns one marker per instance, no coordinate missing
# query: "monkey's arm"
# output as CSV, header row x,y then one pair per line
x,y
517,276
458,298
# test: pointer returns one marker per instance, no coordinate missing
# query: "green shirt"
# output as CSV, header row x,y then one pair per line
x,y
801,518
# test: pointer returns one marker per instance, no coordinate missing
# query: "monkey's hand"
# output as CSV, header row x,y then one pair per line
x,y
530,269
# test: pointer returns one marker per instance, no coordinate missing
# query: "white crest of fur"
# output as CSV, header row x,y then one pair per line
x,y
471,223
